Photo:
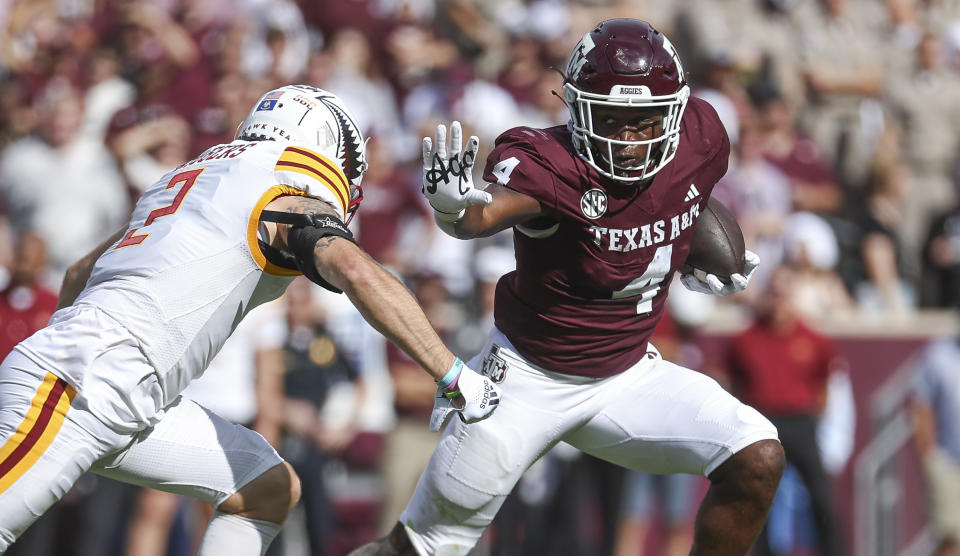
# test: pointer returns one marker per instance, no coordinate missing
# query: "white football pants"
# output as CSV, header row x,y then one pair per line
x,y
48,440
655,417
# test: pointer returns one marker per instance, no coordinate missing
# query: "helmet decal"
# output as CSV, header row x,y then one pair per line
x,y
350,147
312,117
579,56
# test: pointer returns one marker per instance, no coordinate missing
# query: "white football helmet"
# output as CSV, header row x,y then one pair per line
x,y
312,117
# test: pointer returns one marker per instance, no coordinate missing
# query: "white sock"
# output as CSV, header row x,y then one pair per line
x,y
237,536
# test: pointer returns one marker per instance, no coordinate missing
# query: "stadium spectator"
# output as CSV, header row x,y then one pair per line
x,y
791,393
522,68
813,185
885,286
276,42
841,65
148,142
490,263
16,112
25,302
355,73
544,108
395,223
162,56
233,94
48,175
936,414
754,39
941,258
107,92
723,90
812,251
929,141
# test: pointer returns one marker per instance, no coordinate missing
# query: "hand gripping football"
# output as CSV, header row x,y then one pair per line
x,y
717,245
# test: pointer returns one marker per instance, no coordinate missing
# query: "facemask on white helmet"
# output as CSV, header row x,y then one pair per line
x,y
311,116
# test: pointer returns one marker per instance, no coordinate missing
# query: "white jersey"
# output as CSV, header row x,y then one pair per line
x,y
190,267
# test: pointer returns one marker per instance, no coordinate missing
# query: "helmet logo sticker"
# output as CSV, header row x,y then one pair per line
x,y
269,101
630,90
594,203
579,57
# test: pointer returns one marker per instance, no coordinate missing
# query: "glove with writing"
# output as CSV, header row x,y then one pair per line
x,y
448,179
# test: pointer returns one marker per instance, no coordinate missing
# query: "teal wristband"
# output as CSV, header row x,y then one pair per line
x,y
452,374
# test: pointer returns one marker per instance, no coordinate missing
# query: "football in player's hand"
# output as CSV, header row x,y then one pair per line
x,y
717,245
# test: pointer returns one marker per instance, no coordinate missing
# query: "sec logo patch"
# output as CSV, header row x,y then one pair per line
x,y
594,203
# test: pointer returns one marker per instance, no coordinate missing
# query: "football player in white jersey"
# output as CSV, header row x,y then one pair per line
x,y
141,316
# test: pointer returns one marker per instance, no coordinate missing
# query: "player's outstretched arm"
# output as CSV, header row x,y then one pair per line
x,y
460,209
388,306
78,273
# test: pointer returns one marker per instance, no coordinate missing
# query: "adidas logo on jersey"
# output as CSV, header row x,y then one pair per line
x,y
692,193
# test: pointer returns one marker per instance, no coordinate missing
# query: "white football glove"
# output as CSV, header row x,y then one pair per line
x,y
474,397
710,284
448,180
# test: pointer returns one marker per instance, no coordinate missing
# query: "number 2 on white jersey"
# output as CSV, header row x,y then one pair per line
x,y
185,180
648,285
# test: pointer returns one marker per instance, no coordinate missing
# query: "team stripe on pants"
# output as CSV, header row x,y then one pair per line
x,y
37,431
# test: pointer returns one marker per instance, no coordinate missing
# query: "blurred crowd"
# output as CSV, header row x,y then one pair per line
x,y
843,116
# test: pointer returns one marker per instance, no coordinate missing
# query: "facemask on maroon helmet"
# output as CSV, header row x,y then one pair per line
x,y
625,64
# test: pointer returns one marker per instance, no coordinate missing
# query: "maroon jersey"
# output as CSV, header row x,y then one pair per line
x,y
585,298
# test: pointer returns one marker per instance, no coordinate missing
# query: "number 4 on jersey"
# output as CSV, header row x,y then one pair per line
x,y
648,285
503,169
183,179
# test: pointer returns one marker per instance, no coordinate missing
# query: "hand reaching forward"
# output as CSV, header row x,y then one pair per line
x,y
448,179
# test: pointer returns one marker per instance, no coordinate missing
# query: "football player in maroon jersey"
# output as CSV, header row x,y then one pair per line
x,y
603,209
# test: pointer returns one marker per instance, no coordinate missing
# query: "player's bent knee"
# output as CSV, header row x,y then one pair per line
x,y
269,497
756,468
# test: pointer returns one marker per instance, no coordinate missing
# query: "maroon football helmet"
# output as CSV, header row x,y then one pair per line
x,y
625,63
